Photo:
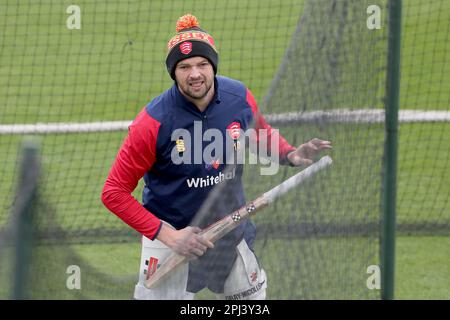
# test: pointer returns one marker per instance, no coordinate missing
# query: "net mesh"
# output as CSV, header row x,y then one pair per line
x,y
423,177
334,63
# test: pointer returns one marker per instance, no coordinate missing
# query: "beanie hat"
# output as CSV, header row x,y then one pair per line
x,y
190,41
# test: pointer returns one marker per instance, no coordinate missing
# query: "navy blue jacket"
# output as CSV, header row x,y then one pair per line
x,y
175,192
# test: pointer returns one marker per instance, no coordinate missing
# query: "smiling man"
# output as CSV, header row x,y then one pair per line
x,y
195,79
174,192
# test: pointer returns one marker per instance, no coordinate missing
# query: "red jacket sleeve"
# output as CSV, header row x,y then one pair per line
x,y
135,157
260,123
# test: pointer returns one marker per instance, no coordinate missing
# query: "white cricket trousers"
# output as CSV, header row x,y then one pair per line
x,y
246,281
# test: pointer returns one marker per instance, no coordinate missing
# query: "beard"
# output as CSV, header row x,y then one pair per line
x,y
197,89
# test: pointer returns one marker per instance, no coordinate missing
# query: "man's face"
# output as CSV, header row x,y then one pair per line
x,y
195,77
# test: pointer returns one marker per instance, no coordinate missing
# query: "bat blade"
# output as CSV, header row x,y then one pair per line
x,y
173,261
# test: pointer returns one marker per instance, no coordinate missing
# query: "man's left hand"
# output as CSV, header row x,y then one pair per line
x,y
305,153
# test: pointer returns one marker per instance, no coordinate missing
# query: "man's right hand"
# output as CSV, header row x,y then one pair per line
x,y
187,242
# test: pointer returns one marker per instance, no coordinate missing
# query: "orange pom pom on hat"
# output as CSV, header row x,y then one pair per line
x,y
190,41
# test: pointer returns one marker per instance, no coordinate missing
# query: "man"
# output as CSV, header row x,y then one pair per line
x,y
175,192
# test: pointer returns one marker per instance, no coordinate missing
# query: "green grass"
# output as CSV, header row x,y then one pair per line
x,y
425,71
423,175
115,64
421,273
51,74
422,270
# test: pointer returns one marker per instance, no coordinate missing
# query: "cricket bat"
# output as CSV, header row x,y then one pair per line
x,y
220,228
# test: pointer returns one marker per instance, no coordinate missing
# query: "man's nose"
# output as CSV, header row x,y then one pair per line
x,y
195,73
